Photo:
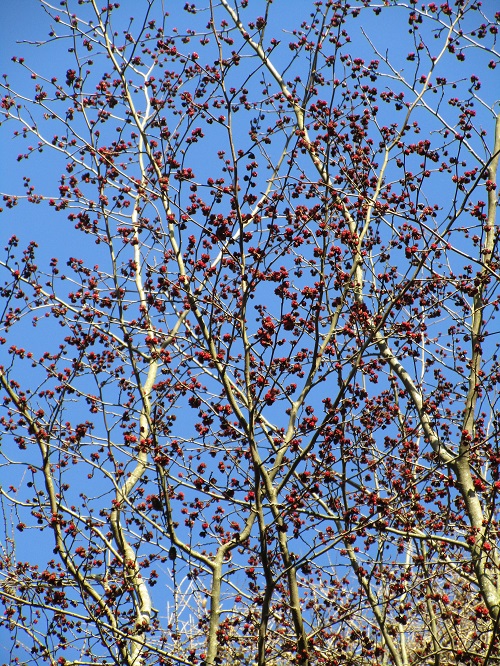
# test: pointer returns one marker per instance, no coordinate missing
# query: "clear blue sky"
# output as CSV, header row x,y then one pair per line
x,y
25,20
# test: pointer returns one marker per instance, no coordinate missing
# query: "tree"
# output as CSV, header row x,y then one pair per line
x,y
249,359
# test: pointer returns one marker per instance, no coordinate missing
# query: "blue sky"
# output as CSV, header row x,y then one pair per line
x,y
24,20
